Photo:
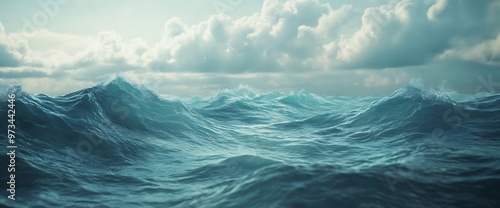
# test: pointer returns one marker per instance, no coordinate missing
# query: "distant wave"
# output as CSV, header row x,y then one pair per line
x,y
119,144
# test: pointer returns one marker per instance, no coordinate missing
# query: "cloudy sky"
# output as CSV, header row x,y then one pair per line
x,y
196,47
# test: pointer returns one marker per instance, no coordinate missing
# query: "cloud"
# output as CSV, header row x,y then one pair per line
x,y
486,52
7,59
287,36
302,38
436,9
410,32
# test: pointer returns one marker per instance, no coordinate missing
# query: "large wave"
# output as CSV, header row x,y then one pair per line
x,y
119,144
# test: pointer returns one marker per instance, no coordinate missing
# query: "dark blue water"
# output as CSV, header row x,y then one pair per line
x,y
121,145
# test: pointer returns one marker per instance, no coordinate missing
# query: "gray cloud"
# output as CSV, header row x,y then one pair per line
x,y
6,58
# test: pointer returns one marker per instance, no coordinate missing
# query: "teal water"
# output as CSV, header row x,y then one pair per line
x,y
121,145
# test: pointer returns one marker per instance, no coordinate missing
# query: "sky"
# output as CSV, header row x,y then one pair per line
x,y
188,47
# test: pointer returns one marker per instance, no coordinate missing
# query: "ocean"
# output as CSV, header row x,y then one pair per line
x,y
119,144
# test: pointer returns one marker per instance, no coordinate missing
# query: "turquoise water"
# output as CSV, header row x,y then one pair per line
x,y
121,145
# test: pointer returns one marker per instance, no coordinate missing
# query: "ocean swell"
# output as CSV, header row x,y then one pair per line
x,y
119,144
